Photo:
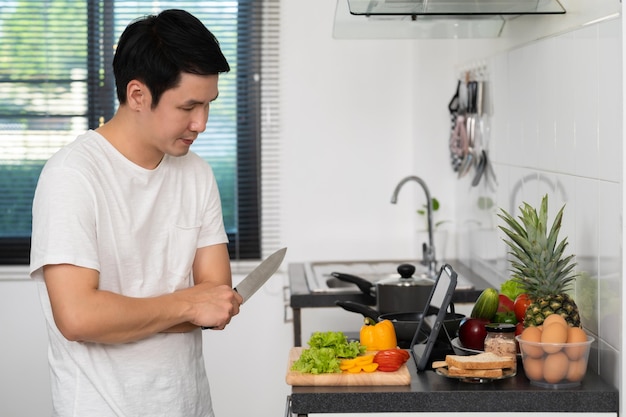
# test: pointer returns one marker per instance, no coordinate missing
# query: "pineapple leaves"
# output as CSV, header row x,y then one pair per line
x,y
537,260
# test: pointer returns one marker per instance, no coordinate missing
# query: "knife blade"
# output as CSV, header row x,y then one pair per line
x,y
260,274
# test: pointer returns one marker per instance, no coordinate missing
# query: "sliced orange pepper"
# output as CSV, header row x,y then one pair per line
x,y
360,363
364,360
370,367
346,364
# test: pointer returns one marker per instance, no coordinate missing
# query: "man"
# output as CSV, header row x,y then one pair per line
x,y
128,245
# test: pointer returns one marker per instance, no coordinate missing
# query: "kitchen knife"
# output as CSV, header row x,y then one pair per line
x,y
259,276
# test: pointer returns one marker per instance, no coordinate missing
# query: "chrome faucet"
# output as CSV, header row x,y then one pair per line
x,y
428,249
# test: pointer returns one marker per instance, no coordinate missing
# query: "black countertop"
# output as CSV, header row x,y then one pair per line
x,y
430,392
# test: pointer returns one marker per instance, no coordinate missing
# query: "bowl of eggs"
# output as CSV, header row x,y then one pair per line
x,y
554,355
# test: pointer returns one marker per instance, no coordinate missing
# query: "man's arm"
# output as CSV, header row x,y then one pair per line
x,y
211,265
82,312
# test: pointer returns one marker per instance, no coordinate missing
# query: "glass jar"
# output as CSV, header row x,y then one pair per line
x,y
500,340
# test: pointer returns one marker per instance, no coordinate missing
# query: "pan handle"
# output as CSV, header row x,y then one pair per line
x,y
364,285
354,307
451,308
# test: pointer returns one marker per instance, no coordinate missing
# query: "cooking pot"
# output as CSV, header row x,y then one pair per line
x,y
394,294
405,323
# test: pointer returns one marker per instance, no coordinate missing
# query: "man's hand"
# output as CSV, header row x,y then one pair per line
x,y
214,306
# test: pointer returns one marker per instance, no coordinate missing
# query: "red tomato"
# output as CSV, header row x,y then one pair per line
x,y
519,328
521,304
387,368
401,353
390,360
505,304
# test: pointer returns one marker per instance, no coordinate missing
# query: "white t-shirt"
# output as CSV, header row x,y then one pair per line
x,y
140,229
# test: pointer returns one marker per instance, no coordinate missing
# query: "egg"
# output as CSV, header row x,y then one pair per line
x,y
576,335
554,318
533,368
532,334
577,370
552,334
555,367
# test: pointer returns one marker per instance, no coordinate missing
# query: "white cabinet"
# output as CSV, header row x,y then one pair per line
x,y
246,363
24,377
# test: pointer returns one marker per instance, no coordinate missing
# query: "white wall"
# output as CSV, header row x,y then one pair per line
x,y
348,139
557,129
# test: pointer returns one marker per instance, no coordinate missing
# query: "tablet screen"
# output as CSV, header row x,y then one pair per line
x,y
440,297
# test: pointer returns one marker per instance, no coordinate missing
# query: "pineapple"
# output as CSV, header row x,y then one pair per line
x,y
539,265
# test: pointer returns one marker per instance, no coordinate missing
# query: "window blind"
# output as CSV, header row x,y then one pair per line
x,y
56,81
270,129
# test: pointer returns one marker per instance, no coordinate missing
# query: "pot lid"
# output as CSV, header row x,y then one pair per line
x,y
406,278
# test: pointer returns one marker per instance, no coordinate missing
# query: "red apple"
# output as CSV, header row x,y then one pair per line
x,y
472,333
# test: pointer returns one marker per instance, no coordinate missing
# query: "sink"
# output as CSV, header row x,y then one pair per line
x,y
319,280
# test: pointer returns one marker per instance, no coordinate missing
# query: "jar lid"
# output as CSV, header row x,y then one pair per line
x,y
500,327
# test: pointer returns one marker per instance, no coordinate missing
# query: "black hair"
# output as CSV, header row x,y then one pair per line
x,y
156,49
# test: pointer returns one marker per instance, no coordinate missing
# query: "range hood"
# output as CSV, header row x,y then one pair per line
x,y
397,19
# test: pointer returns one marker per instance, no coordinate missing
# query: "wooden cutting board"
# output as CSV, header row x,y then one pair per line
x,y
399,377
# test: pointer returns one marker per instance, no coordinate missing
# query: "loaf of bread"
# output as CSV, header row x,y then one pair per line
x,y
486,360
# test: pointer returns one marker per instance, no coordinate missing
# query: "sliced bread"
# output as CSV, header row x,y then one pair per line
x,y
475,373
487,360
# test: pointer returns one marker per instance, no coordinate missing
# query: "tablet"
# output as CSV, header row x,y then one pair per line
x,y
440,297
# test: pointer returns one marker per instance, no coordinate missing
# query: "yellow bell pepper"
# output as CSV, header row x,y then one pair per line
x,y
378,336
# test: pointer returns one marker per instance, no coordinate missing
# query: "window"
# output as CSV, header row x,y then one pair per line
x,y
56,81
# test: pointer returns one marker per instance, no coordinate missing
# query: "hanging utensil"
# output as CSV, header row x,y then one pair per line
x,y
471,156
478,136
455,104
455,142
480,168
459,141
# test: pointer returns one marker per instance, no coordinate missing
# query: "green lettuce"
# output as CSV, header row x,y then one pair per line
x,y
317,361
511,288
326,349
338,342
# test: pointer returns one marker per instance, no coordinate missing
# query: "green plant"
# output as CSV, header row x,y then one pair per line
x,y
424,212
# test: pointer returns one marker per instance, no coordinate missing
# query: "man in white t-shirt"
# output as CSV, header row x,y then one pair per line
x,y
128,246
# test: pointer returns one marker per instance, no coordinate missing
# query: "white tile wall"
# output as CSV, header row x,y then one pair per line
x,y
556,128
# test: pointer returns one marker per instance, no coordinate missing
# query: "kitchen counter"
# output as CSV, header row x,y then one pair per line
x,y
302,297
430,392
